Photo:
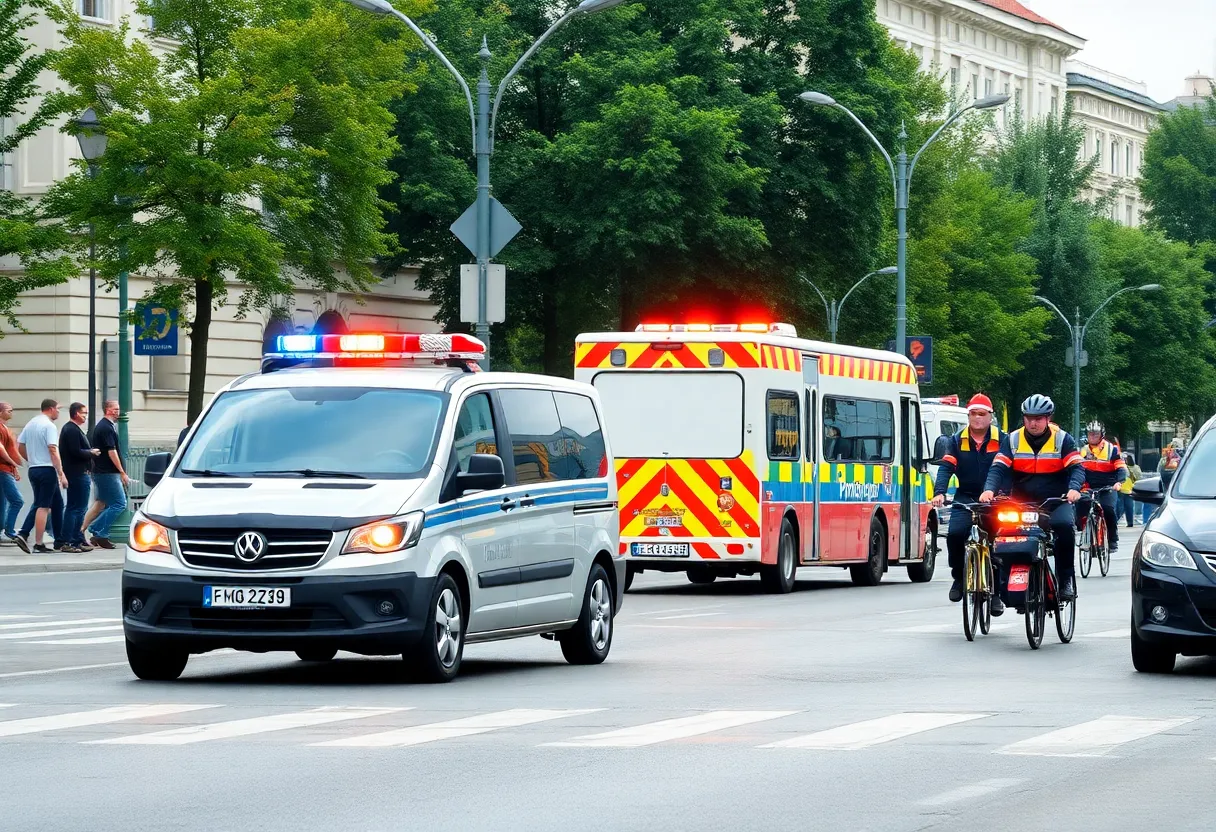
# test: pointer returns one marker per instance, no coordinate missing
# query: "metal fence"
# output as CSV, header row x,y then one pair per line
x,y
137,457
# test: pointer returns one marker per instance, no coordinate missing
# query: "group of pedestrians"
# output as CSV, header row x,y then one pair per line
x,y
59,461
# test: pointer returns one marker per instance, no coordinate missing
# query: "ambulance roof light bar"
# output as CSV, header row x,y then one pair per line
x,y
371,348
766,329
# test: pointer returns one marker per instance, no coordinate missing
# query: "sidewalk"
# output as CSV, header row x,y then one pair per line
x,y
13,561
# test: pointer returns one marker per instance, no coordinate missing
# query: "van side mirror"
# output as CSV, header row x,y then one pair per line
x,y
1148,490
155,467
940,448
486,473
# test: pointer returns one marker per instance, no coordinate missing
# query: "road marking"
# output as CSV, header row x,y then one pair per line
x,y
1092,739
76,601
80,719
1122,632
671,729
62,623
874,731
93,640
687,615
14,617
246,727
679,609
947,628
53,633
481,724
938,608
48,670
971,792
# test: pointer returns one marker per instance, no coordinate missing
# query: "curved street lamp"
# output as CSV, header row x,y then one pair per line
x,y
1077,332
92,141
833,309
901,177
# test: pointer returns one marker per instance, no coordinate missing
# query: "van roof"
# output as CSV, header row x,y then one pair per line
x,y
404,378
805,344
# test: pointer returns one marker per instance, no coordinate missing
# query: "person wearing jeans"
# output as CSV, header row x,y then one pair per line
x,y
10,462
77,464
109,477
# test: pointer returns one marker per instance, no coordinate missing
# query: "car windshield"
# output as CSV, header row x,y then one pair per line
x,y
376,433
1197,476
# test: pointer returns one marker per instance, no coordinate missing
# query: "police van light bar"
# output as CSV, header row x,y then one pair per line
x,y
952,401
767,329
436,346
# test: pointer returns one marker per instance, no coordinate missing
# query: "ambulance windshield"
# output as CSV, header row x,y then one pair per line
x,y
684,415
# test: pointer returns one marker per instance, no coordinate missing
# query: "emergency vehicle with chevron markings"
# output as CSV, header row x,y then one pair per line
x,y
744,449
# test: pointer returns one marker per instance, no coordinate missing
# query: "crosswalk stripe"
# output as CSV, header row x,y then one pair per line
x,y
671,729
1122,632
94,640
67,622
972,791
54,633
481,724
1092,739
874,731
18,616
81,719
246,727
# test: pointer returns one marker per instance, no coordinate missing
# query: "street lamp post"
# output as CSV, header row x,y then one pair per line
x,y
92,143
1077,333
901,177
484,118
833,308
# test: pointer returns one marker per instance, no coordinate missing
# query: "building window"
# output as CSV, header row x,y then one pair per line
x,y
1114,158
96,9
1128,170
1131,213
7,180
987,87
975,86
953,81
1098,146
169,373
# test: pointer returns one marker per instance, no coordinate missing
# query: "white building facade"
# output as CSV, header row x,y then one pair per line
x,y
51,357
1117,114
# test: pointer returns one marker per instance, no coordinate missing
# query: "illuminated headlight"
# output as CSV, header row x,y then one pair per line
x,y
1159,550
1027,518
385,536
149,536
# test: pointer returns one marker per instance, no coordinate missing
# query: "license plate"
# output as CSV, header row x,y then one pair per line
x,y
660,550
246,597
1019,578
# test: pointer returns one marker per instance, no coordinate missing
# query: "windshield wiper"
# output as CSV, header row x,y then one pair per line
x,y
207,472
312,472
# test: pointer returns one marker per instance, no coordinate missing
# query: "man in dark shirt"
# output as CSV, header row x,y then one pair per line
x,y
109,478
77,465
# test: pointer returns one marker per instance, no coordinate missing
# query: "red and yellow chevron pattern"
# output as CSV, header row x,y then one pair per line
x,y
684,498
870,369
688,355
780,358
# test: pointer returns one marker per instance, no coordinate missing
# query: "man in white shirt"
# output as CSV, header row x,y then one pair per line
x,y
39,445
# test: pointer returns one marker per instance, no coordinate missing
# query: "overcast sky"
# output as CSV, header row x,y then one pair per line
x,y
1159,42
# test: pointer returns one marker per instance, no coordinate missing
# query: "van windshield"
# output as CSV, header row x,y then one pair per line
x,y
684,415
365,432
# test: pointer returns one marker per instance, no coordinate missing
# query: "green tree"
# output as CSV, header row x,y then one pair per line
x,y
1178,177
41,247
248,155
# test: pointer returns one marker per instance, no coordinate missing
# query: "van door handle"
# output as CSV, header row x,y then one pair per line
x,y
527,501
508,504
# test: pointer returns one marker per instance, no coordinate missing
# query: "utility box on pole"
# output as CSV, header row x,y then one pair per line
x,y
496,293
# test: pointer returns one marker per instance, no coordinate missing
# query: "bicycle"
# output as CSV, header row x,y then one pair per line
x,y
1022,521
1093,540
980,580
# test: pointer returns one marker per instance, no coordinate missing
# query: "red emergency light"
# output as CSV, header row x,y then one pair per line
x,y
371,346
766,329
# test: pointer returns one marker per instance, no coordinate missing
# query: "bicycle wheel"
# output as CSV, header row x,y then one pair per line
x,y
989,589
1036,607
1104,562
971,595
1103,553
1066,619
1085,555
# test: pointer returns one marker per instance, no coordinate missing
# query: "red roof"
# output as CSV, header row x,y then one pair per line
x,y
1016,9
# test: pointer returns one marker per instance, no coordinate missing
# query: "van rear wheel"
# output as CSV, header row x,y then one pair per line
x,y
590,639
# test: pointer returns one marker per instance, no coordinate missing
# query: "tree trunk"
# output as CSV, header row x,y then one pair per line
x,y
200,331
551,352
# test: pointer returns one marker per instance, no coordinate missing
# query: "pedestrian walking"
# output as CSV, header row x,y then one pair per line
x,y
1126,504
109,478
39,445
77,467
10,474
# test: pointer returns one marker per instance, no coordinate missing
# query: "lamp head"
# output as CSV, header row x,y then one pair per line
x,y
90,136
888,270
373,6
818,98
988,102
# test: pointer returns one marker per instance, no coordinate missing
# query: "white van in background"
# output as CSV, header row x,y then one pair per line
x,y
943,416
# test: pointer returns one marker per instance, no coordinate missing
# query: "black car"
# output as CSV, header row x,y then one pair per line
x,y
1174,564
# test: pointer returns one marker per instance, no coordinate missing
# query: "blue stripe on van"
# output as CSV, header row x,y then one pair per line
x,y
481,505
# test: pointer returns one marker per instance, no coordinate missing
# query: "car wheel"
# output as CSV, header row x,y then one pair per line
x,y
590,639
922,573
870,572
436,658
1151,658
156,664
779,577
317,654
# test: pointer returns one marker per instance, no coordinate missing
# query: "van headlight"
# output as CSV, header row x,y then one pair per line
x,y
1159,550
385,536
149,536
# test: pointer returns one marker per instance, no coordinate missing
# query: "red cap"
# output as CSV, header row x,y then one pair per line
x,y
980,402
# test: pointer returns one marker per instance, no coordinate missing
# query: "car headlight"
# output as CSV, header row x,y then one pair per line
x,y
385,536
1159,550
149,536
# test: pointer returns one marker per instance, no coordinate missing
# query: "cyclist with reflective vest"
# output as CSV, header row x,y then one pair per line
x,y
1104,467
1037,462
968,456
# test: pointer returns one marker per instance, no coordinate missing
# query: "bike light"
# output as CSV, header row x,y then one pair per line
x,y
1030,517
1007,516
148,536
1159,550
385,536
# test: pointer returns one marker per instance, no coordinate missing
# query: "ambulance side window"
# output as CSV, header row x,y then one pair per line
x,y
783,425
474,430
536,434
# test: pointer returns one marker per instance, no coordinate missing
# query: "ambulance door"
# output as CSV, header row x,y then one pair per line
x,y
910,455
810,530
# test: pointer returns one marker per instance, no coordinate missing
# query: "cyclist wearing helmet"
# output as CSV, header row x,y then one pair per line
x,y
1104,466
1036,462
968,456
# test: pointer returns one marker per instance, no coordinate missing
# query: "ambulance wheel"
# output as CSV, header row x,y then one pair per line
x,y
630,574
922,573
870,572
779,577
701,575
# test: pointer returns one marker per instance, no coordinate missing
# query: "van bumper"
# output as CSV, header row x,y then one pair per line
x,y
338,612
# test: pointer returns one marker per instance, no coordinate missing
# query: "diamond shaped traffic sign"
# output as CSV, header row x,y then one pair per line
x,y
503,227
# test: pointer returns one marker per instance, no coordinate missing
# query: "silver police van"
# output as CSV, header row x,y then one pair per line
x,y
374,493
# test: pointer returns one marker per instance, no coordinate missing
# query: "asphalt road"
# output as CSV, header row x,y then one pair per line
x,y
835,707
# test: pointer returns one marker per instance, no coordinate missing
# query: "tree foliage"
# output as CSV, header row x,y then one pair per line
x,y
1179,173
